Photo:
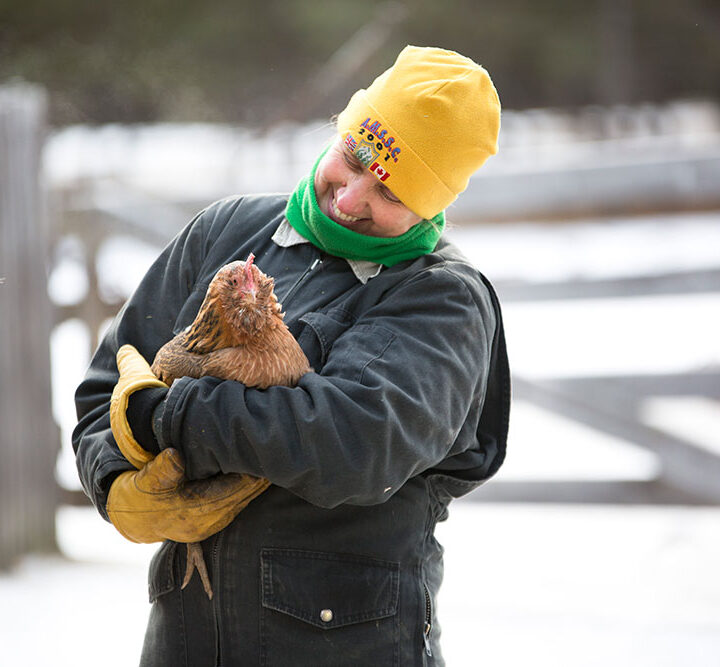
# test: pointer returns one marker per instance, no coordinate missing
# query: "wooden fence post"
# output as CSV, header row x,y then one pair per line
x,y
29,437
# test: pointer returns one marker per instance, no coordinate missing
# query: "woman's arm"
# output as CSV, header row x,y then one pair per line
x,y
394,393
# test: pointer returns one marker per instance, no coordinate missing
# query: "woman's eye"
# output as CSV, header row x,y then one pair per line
x,y
355,164
352,162
389,196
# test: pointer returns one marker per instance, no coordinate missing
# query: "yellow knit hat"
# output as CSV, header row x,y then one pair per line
x,y
424,126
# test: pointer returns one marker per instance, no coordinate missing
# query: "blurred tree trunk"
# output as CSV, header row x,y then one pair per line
x,y
616,64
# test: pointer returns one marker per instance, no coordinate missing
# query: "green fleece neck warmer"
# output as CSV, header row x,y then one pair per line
x,y
304,214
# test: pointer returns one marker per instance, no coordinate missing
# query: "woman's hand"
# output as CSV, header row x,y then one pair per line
x,y
157,503
135,374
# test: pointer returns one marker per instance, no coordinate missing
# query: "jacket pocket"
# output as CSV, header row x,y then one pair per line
x,y
357,352
320,332
161,575
328,609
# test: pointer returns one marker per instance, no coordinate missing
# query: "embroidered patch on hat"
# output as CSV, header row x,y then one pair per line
x,y
366,153
381,173
371,129
350,142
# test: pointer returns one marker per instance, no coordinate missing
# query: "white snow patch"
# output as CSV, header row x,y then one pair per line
x,y
693,418
581,586
604,337
544,445
593,249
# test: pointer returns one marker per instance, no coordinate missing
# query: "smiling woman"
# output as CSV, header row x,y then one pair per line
x,y
407,408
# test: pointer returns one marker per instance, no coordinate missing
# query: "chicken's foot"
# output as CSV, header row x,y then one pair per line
x,y
195,559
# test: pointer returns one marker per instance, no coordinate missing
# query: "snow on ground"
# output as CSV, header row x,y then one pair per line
x,y
572,586
70,613
553,585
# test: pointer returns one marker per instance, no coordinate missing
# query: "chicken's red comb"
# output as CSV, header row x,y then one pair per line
x,y
248,273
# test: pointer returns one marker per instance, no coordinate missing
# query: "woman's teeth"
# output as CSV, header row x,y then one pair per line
x,y
339,214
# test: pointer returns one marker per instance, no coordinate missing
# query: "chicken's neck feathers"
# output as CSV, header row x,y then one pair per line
x,y
209,330
212,331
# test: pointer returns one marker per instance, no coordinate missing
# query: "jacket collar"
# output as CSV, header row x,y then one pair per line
x,y
285,236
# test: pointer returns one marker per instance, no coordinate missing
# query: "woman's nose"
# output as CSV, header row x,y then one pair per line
x,y
352,198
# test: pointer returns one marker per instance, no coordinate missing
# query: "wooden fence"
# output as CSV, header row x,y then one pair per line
x,y
29,437
113,181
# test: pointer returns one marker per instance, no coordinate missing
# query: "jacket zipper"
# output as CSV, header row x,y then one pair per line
x,y
296,284
427,628
216,608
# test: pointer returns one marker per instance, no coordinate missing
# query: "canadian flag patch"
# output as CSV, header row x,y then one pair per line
x,y
381,173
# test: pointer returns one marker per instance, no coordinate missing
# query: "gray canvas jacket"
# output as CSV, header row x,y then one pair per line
x,y
336,564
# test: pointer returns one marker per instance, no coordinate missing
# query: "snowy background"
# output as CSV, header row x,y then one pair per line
x,y
574,585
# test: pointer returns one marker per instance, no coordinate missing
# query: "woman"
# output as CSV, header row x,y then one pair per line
x,y
336,563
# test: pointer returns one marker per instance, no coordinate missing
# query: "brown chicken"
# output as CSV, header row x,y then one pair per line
x,y
238,334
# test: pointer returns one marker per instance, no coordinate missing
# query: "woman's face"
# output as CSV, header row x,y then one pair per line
x,y
352,196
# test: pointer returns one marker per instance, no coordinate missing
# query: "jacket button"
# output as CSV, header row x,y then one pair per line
x,y
326,615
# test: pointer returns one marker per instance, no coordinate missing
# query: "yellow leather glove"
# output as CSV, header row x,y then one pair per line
x,y
135,374
157,503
